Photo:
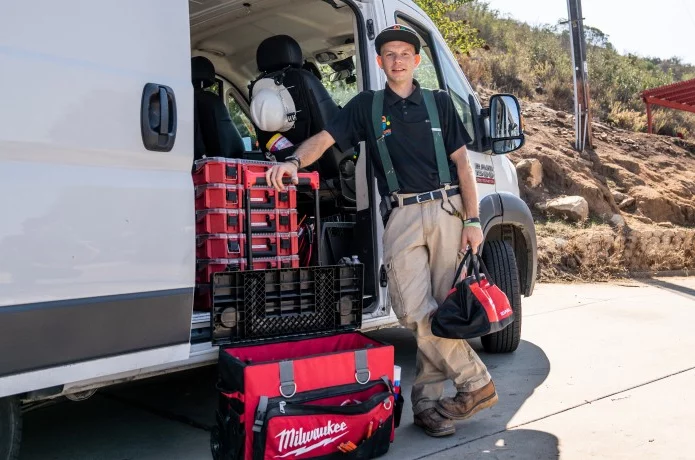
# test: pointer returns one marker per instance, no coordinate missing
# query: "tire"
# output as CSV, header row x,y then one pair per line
x,y
500,261
10,428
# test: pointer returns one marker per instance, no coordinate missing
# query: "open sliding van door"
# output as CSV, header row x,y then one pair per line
x,y
97,239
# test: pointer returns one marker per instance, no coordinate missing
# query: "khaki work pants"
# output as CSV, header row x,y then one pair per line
x,y
421,253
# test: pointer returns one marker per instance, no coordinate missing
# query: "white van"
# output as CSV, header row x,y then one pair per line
x,y
97,235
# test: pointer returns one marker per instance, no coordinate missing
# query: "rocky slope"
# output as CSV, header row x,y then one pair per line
x,y
626,205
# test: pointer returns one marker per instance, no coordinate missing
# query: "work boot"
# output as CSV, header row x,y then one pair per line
x,y
434,424
465,404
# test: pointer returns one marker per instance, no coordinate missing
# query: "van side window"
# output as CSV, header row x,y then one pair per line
x,y
430,76
426,74
341,85
459,94
242,123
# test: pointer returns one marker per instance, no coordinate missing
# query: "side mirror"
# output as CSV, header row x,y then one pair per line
x,y
506,134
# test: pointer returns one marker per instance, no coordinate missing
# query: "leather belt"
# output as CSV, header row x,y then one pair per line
x,y
427,196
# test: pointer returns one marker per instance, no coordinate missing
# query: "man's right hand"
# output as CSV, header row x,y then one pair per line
x,y
274,175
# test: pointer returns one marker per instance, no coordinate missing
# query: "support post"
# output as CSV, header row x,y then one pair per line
x,y
582,112
649,118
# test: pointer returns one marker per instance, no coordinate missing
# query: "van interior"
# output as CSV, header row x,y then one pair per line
x,y
317,44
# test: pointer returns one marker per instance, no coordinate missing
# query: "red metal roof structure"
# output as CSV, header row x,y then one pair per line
x,y
679,96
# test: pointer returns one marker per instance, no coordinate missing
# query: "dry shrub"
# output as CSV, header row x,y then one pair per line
x,y
508,75
673,123
625,118
560,96
476,68
599,252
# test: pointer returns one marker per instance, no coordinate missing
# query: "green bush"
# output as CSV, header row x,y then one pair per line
x,y
457,32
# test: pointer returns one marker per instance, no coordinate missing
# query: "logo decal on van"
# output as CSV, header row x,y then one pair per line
x,y
484,174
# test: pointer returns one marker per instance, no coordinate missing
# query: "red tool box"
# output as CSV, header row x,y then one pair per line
x,y
223,196
232,246
270,198
253,177
220,246
216,170
218,196
322,391
234,221
274,244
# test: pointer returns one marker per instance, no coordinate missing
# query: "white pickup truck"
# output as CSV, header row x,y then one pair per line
x,y
97,131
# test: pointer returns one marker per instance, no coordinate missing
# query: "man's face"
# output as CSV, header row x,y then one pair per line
x,y
399,61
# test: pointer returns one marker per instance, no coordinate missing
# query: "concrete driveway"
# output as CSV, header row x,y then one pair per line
x,y
604,371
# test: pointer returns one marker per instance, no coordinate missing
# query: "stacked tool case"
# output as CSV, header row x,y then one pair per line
x,y
241,222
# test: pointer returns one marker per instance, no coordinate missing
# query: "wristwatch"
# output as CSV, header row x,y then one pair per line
x,y
294,158
472,222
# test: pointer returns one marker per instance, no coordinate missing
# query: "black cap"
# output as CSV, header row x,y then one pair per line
x,y
397,32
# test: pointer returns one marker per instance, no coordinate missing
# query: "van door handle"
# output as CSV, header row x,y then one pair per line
x,y
158,117
164,111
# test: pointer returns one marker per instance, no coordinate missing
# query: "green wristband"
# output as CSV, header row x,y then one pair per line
x,y
471,224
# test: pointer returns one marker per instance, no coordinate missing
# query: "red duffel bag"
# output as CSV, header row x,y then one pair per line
x,y
474,307
296,380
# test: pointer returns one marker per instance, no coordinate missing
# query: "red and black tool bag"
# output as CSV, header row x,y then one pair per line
x,y
304,398
474,307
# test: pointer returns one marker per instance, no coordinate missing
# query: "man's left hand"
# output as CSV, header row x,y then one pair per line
x,y
471,236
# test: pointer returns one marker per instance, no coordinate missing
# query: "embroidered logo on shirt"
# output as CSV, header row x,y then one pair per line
x,y
386,125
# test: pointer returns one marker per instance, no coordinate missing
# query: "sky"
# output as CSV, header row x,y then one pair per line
x,y
626,22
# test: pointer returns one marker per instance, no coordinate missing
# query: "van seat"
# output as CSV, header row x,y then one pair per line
x,y
215,133
314,104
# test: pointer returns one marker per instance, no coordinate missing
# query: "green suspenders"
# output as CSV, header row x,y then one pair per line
x,y
377,114
440,152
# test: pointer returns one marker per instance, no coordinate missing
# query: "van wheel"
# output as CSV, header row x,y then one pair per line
x,y
10,428
500,261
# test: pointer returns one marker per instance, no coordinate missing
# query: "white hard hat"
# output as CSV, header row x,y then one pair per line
x,y
272,106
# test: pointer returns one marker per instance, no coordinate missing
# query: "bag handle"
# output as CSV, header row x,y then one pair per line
x,y
288,387
362,373
461,273
475,259
483,269
458,277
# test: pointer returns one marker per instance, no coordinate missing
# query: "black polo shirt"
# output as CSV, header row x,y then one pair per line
x,y
409,142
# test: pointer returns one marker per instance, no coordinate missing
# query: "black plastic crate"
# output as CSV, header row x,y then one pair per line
x,y
281,303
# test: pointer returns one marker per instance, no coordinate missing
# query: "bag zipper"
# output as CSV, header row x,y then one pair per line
x,y
279,406
321,393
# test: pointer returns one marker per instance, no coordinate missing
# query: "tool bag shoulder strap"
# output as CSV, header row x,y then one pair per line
x,y
379,124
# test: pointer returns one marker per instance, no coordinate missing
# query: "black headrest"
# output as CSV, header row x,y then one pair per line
x,y
202,71
277,52
311,67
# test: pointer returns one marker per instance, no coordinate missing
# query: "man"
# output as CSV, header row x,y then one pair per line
x,y
425,236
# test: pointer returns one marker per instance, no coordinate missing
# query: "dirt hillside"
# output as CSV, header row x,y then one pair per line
x,y
639,188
